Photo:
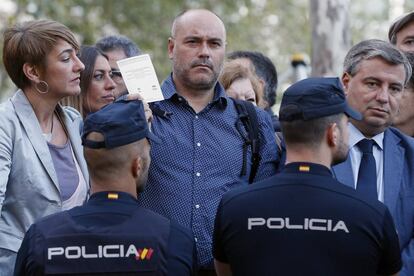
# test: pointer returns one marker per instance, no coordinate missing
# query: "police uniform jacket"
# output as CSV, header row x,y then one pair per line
x,y
303,222
111,235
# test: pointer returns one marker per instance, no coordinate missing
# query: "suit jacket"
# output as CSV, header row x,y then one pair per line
x,y
398,189
29,187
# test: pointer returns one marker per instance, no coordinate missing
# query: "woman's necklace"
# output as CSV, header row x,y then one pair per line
x,y
48,136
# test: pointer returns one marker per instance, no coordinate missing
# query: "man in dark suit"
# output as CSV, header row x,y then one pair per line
x,y
375,73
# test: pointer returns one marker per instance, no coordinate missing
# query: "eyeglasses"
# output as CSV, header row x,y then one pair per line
x,y
116,75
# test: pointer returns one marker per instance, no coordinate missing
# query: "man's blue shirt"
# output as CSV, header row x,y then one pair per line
x,y
199,159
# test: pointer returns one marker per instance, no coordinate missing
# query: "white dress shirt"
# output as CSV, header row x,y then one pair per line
x,y
354,137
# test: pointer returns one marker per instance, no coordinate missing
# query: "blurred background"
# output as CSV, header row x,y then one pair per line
x,y
315,33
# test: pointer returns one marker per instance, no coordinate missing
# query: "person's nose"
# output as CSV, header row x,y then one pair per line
x,y
109,83
383,94
78,65
205,50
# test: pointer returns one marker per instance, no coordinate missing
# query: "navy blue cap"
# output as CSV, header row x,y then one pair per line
x,y
121,123
314,98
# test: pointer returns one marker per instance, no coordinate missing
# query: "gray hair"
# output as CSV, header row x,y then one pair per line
x,y
118,42
375,48
400,23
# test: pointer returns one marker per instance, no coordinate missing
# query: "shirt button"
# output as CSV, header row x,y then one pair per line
x,y
198,174
197,206
195,239
198,144
180,99
196,116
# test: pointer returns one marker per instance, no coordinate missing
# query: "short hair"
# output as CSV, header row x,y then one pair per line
x,y
88,55
174,24
31,42
410,57
233,71
399,24
375,48
118,42
310,132
178,16
108,163
264,68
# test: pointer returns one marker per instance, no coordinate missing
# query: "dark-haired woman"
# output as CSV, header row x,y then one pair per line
x,y
97,86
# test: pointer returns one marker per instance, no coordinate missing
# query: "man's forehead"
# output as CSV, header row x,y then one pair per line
x,y
408,25
199,23
115,54
381,69
201,35
378,63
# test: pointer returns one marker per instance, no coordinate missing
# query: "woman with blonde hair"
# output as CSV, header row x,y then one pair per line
x,y
42,169
242,83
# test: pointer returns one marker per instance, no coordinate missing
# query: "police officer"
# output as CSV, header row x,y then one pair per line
x,y
302,221
110,234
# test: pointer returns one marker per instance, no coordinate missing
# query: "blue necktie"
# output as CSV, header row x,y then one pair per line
x,y
367,175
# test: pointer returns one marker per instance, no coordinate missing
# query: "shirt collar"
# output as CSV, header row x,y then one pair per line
x,y
170,92
112,196
307,168
355,136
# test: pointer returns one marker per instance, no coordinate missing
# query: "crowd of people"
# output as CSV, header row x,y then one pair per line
x,y
96,181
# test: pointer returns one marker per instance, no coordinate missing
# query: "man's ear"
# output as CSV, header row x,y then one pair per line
x,y
170,47
346,78
136,167
31,72
332,135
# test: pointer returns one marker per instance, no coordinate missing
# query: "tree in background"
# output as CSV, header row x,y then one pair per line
x,y
330,36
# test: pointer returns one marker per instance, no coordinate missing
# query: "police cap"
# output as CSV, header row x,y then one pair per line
x,y
121,123
313,98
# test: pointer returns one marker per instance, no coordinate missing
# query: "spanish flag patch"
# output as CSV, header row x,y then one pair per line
x,y
112,196
304,168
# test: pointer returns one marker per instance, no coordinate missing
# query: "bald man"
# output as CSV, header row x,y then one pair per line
x,y
203,152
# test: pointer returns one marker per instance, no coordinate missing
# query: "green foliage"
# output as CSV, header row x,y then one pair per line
x,y
278,28
251,24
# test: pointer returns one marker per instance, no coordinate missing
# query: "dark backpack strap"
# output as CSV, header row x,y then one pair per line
x,y
248,116
157,111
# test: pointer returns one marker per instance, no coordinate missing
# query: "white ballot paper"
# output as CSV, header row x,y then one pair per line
x,y
140,77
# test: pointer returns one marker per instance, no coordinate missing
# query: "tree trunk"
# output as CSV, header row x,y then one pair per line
x,y
330,36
